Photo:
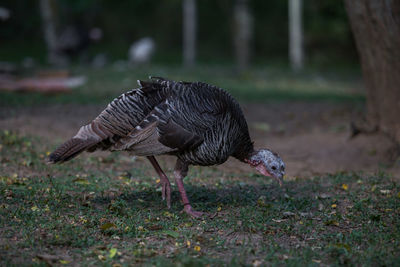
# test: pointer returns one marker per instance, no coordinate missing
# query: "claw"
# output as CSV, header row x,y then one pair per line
x,y
189,210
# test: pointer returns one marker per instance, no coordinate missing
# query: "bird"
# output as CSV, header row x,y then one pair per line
x,y
198,123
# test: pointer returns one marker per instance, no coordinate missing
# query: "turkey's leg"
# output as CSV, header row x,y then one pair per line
x,y
180,173
166,185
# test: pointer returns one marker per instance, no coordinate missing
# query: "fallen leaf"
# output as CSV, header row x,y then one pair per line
x,y
332,222
278,221
155,227
373,188
345,187
35,208
112,253
81,181
306,214
257,263
320,206
101,257
334,206
324,196
197,248
107,226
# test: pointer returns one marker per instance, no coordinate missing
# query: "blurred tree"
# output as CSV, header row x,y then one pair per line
x,y
295,34
376,28
243,33
189,32
49,30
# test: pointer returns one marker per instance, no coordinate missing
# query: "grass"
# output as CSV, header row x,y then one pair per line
x,y
107,210
260,84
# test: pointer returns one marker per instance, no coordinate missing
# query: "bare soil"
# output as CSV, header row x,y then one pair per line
x,y
312,138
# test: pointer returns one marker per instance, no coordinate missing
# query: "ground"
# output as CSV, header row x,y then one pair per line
x,y
339,204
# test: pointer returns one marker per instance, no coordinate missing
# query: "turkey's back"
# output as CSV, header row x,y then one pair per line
x,y
216,116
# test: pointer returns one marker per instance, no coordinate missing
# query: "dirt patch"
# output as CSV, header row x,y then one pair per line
x,y
312,138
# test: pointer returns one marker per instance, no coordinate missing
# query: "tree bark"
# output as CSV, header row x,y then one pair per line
x,y
295,35
376,28
189,32
243,33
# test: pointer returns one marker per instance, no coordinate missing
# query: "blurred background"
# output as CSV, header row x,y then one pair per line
x,y
292,64
115,26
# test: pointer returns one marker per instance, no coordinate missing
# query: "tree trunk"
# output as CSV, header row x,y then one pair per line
x,y
376,28
243,33
49,31
295,35
189,32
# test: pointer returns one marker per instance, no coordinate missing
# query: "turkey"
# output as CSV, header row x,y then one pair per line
x,y
198,123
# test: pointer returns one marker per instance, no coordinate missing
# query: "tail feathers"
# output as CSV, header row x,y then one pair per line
x,y
70,149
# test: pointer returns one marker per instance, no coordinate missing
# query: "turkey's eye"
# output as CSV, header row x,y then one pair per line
x,y
273,167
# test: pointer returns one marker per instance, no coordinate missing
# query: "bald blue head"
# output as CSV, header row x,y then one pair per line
x,y
268,163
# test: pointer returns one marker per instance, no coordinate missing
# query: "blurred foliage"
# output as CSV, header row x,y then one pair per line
x,y
327,33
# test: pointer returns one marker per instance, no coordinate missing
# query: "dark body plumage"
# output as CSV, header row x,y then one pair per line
x,y
199,123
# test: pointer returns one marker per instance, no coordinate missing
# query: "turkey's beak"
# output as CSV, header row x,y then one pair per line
x,y
263,170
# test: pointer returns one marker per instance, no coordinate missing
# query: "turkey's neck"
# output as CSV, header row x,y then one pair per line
x,y
244,152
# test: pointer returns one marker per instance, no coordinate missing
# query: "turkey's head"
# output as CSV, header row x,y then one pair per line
x,y
267,163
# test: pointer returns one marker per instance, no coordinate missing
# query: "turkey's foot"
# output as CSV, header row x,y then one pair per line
x,y
189,210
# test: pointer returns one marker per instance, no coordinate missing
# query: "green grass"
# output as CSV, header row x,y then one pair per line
x,y
108,211
260,84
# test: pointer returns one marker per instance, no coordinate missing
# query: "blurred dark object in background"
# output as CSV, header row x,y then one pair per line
x,y
74,40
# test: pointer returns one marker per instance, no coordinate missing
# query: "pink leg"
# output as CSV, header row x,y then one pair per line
x,y
180,173
166,185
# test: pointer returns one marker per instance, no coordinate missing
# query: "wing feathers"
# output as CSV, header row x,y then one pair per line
x,y
70,149
175,136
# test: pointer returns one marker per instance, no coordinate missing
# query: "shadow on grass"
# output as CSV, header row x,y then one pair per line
x,y
206,198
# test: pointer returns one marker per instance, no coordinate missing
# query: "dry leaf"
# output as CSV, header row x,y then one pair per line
x,y
324,196
332,222
155,227
81,181
101,257
107,226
